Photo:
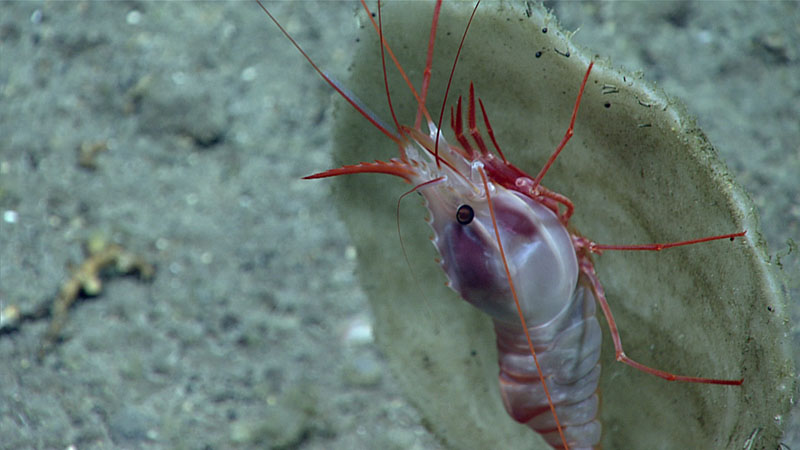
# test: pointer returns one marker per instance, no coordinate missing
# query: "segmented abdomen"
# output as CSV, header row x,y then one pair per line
x,y
568,349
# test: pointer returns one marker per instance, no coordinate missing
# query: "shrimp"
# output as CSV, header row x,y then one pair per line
x,y
507,247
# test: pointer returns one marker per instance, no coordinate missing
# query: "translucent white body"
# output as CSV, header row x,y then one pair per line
x,y
558,310
568,349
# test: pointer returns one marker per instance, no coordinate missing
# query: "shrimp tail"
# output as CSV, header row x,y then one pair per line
x,y
568,349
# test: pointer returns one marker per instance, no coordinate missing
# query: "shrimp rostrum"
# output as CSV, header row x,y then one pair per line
x,y
506,246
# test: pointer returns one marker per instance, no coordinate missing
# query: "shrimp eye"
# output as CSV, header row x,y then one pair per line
x,y
465,214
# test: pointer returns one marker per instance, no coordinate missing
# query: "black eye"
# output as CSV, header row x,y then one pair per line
x,y
465,214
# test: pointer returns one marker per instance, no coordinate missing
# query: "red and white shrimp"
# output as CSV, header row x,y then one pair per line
x,y
507,247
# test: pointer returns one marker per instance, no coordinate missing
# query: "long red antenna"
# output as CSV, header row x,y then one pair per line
x,y
386,77
426,75
449,82
397,65
330,82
